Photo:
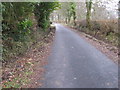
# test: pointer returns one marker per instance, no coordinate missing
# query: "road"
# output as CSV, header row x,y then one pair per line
x,y
74,63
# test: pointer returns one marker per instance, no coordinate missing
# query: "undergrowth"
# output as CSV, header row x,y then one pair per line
x,y
105,30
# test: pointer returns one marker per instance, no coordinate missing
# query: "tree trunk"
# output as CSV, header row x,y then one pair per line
x,y
66,20
88,6
74,18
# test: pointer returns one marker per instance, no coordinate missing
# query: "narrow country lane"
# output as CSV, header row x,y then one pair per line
x,y
74,63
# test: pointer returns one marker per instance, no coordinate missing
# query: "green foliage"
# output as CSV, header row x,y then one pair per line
x,y
43,11
16,27
14,14
24,29
18,22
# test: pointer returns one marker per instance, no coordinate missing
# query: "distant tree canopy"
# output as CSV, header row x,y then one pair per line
x,y
86,10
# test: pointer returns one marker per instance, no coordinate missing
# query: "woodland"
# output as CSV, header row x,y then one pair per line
x,y
24,24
